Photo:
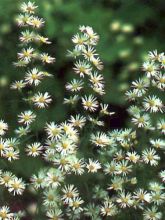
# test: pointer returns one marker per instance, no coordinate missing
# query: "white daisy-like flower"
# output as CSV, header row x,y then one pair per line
x,y
45,58
141,120
93,37
11,154
153,104
5,177
82,68
161,125
16,186
74,85
26,117
18,85
104,109
162,175
132,157
3,127
36,22
5,213
34,149
154,55
77,121
3,146
66,146
150,156
26,54
89,53
159,81
150,68
93,166
124,199
54,214
108,209
90,103
33,77
152,214
75,204
53,131
69,192
123,167
27,36
28,7
77,165
42,100
158,143
100,139
54,178
23,19
80,41
42,39
142,196
97,63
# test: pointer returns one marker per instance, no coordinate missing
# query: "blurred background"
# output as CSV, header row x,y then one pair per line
x,y
128,29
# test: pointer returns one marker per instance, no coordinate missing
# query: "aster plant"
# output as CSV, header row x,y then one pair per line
x,y
90,172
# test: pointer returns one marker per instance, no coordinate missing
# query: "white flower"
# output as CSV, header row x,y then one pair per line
x,y
53,131
18,85
93,166
11,154
97,63
159,81
34,149
74,85
141,120
77,165
36,22
150,156
26,117
16,186
161,125
80,41
108,209
5,213
123,168
26,54
28,7
100,139
152,214
124,199
132,157
27,36
3,146
3,127
90,103
54,214
65,146
162,175
140,86
97,79
158,143
89,53
142,196
75,203
153,104
150,68
54,178
45,58
82,68
77,121
69,192
42,100
33,76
